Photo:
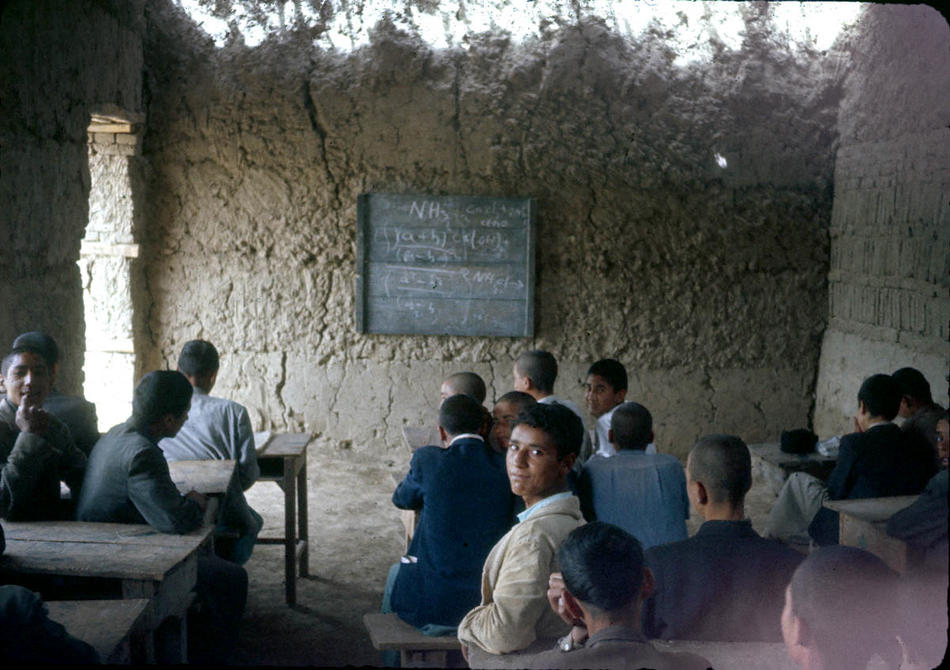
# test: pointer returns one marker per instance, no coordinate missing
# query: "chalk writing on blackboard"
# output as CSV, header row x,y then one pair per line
x,y
445,265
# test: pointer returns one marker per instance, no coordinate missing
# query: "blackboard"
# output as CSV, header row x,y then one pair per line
x,y
445,265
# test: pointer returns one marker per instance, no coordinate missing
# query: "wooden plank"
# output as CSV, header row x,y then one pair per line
x,y
114,628
109,533
92,559
871,509
734,655
110,127
286,444
420,436
204,476
388,631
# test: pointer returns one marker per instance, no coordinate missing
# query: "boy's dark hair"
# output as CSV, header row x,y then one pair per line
x,y
16,351
469,383
519,399
560,424
846,599
613,372
724,465
460,414
881,395
602,566
540,366
39,343
198,358
159,393
632,425
913,384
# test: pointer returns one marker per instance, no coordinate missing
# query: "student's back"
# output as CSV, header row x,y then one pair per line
x,y
467,505
725,583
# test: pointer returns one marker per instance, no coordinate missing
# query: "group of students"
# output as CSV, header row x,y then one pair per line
x,y
123,477
534,556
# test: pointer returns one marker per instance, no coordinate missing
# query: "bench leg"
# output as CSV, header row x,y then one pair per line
x,y
290,532
302,519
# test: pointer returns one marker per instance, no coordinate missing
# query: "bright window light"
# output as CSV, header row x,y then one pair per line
x,y
695,26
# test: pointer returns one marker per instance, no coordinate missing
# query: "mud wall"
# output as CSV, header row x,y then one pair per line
x,y
709,283
57,61
889,281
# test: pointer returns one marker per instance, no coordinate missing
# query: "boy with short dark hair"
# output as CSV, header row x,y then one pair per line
x,y
514,609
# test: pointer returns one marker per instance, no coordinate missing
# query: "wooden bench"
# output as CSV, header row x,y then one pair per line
x,y
862,523
734,655
116,629
388,631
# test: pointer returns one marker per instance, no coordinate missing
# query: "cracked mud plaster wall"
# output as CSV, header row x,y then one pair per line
x,y
889,282
57,61
709,284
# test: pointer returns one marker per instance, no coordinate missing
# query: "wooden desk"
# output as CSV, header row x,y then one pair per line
x,y
205,476
774,465
862,523
388,631
116,629
283,459
141,561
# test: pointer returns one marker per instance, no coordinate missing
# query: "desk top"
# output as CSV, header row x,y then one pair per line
x,y
281,445
204,476
108,560
103,533
871,509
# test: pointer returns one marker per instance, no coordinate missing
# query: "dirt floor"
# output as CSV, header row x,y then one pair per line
x,y
356,534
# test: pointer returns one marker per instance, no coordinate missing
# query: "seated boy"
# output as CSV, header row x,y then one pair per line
x,y
37,451
466,506
127,481
645,494
503,414
514,608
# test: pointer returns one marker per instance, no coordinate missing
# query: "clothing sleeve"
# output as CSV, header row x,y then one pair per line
x,y
248,470
28,458
925,522
519,600
840,479
586,495
684,496
71,460
651,612
156,497
28,635
408,495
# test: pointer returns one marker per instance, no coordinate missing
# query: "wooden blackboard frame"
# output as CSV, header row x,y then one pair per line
x,y
518,224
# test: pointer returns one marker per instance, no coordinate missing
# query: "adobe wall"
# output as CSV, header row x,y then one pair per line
x,y
57,61
709,283
889,281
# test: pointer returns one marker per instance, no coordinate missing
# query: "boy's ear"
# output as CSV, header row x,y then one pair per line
x,y
649,583
443,436
571,606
